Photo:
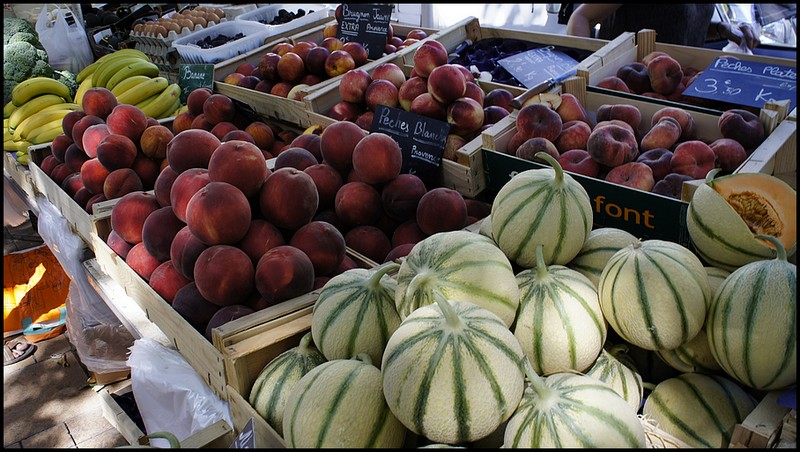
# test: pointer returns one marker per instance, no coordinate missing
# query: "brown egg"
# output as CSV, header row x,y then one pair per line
x,y
199,20
219,12
160,31
172,25
138,28
200,8
148,28
184,23
213,18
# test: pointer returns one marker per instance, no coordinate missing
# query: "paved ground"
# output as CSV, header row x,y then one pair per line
x,y
45,403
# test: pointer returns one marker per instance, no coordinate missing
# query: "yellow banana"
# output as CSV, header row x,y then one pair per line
x,y
8,109
32,107
164,101
16,146
182,109
23,159
38,86
29,126
46,133
170,112
143,90
85,85
90,69
137,67
109,69
147,101
128,83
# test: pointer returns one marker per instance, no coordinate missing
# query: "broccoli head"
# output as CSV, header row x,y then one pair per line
x,y
67,78
14,25
41,69
42,54
18,60
8,87
30,38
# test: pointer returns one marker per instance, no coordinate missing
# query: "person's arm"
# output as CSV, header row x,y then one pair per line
x,y
587,15
742,34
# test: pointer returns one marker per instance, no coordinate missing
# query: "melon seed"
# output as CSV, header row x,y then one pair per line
x,y
757,213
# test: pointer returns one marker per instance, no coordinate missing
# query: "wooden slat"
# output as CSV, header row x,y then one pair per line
x,y
761,428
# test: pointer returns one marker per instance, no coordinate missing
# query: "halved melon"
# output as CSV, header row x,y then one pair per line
x,y
726,213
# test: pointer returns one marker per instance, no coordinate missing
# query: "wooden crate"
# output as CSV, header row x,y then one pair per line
x,y
471,29
21,176
249,356
644,214
79,220
216,435
697,57
762,427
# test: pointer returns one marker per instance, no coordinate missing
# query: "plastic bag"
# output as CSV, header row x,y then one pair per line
x,y
66,43
170,394
100,339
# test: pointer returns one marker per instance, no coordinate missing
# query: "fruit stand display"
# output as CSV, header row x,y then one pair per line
x,y
275,235
254,78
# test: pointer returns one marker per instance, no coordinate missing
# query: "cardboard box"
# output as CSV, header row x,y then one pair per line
x,y
644,214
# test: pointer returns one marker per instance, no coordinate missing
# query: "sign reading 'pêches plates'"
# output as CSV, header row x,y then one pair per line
x,y
366,23
421,139
741,82
538,65
193,76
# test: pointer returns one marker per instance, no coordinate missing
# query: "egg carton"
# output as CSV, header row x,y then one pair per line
x,y
154,45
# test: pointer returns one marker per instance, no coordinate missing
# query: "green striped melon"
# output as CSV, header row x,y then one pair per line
x,y
752,324
355,313
701,410
570,410
692,356
560,325
277,379
726,213
654,294
616,369
452,372
458,265
541,206
716,276
340,404
598,249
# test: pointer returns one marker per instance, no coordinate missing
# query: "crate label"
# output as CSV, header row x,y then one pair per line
x,y
538,65
366,23
421,139
246,439
741,82
645,215
193,76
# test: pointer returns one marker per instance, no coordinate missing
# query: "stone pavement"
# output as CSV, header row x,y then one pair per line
x,y
49,405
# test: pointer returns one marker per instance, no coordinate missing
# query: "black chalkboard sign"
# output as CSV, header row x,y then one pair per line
x,y
193,76
366,23
421,139
741,82
538,65
246,439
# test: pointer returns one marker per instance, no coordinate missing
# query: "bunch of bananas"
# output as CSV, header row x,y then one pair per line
x,y
35,113
133,79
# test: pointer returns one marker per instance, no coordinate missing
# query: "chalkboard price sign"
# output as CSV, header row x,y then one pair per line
x,y
742,82
193,76
366,23
421,139
538,65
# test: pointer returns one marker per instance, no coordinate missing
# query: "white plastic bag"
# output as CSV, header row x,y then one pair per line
x,y
170,394
66,43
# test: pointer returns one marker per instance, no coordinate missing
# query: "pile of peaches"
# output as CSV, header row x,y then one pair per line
x,y
288,69
655,156
224,233
434,88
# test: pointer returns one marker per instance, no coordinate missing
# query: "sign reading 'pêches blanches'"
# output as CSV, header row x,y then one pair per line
x,y
741,82
366,23
421,139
